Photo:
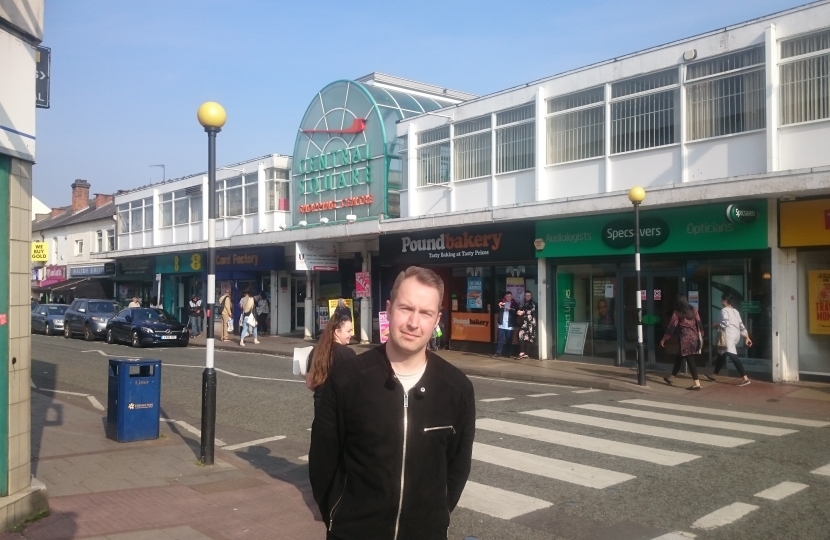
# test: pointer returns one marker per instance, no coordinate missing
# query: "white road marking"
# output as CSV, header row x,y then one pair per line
x,y
592,444
253,443
33,384
517,382
232,374
574,473
588,391
542,395
497,502
666,433
727,413
676,535
724,516
782,490
703,422
187,427
63,392
490,400
825,471
95,403
303,458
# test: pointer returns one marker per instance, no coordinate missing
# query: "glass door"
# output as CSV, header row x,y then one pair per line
x,y
661,290
298,311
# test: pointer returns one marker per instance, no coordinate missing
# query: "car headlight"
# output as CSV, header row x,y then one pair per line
x,y
99,319
147,330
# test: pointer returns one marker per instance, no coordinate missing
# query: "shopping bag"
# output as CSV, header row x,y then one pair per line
x,y
301,360
251,320
230,326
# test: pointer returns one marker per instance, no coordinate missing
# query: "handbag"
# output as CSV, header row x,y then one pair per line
x,y
251,320
699,342
720,339
230,325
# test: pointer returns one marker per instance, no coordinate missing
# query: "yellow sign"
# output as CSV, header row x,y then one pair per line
x,y
40,251
471,327
818,291
804,223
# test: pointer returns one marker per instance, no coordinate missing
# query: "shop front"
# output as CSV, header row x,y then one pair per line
x,y
698,251
102,273
804,226
134,277
478,265
247,269
182,275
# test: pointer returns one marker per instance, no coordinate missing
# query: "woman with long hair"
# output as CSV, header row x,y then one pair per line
x,y
685,322
330,350
733,328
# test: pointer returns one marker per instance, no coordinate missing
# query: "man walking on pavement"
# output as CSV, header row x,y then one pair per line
x,y
195,316
507,321
263,308
226,313
392,438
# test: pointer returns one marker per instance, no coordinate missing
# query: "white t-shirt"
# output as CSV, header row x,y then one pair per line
x,y
408,381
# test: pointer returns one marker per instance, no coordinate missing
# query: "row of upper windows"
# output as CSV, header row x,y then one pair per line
x,y
104,241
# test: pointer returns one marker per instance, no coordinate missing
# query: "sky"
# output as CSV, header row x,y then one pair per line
x,y
128,76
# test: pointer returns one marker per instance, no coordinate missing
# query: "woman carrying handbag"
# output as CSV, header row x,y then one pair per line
x,y
685,322
730,329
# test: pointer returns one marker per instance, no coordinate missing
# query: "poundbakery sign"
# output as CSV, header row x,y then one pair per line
x,y
673,230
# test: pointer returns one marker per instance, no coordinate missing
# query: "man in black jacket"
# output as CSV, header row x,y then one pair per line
x,y
392,438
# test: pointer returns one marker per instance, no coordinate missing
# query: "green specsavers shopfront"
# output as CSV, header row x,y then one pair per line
x,y
700,251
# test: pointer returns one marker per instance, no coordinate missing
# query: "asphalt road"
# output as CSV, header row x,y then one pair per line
x,y
582,466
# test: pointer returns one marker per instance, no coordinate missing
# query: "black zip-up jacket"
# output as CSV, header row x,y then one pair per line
x,y
385,465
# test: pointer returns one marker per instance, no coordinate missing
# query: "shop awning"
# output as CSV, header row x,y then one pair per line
x,y
78,287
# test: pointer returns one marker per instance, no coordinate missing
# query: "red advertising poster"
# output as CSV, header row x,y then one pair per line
x,y
363,284
383,326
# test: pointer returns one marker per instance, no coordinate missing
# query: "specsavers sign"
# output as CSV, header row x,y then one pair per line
x,y
721,227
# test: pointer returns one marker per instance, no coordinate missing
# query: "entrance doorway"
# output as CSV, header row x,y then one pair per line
x,y
662,288
298,301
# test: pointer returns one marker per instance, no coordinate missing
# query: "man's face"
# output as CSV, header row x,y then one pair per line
x,y
507,298
413,315
528,297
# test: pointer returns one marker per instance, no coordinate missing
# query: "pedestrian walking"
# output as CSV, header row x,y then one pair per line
x,y
226,314
329,352
195,316
527,330
732,328
263,308
343,310
685,322
392,438
506,322
247,321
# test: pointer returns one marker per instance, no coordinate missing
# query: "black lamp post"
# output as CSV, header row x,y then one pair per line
x,y
637,195
212,117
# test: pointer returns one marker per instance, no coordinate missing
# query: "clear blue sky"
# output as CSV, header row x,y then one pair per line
x,y
127,77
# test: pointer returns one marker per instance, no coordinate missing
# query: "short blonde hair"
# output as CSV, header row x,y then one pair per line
x,y
424,276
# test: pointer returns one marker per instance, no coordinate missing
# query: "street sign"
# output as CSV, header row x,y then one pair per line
x,y
43,58
751,306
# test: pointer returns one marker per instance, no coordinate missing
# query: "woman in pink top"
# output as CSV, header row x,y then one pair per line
x,y
685,322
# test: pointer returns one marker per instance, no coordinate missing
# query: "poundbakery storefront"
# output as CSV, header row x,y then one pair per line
x,y
700,251
478,264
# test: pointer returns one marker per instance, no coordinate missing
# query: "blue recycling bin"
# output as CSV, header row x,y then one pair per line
x,y
133,399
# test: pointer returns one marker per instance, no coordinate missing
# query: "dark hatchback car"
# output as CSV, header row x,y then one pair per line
x,y
88,317
146,326
48,318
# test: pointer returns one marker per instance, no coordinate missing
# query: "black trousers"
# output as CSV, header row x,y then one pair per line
x,y
690,361
260,321
721,361
525,347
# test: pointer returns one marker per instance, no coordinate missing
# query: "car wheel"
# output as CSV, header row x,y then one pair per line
x,y
110,337
88,334
67,333
136,340
48,330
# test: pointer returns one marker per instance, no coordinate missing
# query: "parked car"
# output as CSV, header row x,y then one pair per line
x,y
48,318
146,326
88,317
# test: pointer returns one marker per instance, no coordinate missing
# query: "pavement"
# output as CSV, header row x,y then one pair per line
x,y
157,489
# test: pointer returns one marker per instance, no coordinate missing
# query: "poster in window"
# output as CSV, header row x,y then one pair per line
x,y
602,297
516,287
819,298
474,291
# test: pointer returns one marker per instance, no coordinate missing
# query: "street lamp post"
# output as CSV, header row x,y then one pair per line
x,y
636,195
212,117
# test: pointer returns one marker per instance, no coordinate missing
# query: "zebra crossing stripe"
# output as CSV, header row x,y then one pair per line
x,y
491,400
724,516
497,502
677,535
641,429
703,422
592,444
542,395
782,490
588,391
573,473
727,413
824,471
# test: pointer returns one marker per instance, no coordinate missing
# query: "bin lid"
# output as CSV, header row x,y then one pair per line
x,y
135,361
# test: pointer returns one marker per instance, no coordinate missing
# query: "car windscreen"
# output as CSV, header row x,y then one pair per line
x,y
152,315
101,307
57,310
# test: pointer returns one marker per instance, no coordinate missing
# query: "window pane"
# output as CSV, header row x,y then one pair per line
x,y
805,90
111,240
434,135
251,199
283,196
180,194
516,115
136,220
181,211
166,214
805,44
233,182
515,147
643,122
576,135
270,196
196,209
123,222
123,207
580,99
99,241
434,164
148,218
234,201
251,178
166,197
471,126
472,156
644,83
727,62
727,105
220,204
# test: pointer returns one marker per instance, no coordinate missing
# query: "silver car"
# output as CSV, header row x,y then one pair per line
x,y
48,318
